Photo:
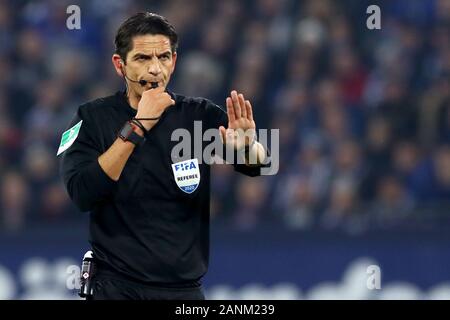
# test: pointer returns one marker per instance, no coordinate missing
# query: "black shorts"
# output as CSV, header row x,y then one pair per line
x,y
109,286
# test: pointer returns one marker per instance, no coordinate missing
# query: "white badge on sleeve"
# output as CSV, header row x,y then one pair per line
x,y
187,175
69,137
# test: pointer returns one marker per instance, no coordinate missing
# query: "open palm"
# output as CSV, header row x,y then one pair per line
x,y
241,126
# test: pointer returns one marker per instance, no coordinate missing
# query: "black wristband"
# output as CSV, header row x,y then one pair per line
x,y
127,133
139,124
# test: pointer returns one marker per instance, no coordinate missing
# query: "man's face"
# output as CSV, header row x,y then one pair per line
x,y
150,59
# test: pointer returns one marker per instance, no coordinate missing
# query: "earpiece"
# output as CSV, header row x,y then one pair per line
x,y
121,67
141,82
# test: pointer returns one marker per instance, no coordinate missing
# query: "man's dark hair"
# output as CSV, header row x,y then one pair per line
x,y
140,24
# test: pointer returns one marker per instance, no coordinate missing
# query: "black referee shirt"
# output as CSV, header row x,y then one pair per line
x,y
143,226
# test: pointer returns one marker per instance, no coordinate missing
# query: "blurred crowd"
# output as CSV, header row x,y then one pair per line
x,y
364,115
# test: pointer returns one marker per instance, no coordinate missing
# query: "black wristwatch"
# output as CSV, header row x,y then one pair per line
x,y
127,133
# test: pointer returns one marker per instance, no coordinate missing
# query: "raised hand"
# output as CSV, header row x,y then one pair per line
x,y
241,126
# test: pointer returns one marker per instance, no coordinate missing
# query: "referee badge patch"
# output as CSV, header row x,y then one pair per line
x,y
69,137
187,175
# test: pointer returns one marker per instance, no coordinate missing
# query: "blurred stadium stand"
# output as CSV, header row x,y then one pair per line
x,y
364,119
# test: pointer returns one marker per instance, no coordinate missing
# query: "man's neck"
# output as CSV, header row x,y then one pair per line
x,y
133,100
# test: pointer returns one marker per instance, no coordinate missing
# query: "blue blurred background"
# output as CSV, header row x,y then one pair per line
x,y
364,119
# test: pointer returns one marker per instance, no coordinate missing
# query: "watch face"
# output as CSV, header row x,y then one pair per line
x,y
127,134
126,131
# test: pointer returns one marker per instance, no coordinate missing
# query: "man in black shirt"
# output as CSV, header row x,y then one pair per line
x,y
149,214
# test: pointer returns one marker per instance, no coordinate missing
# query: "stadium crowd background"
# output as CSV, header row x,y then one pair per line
x,y
364,115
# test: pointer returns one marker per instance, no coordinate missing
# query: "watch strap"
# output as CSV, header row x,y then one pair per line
x,y
127,133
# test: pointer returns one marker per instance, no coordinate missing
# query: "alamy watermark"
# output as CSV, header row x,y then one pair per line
x,y
374,277
73,22
374,20
373,281
189,147
73,277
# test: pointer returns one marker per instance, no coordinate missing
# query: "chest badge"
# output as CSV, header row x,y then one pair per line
x,y
187,175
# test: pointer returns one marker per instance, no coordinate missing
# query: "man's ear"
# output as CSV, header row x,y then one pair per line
x,y
118,64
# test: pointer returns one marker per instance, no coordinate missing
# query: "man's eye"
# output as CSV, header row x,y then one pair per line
x,y
165,57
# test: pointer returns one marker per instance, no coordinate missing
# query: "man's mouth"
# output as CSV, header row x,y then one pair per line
x,y
153,83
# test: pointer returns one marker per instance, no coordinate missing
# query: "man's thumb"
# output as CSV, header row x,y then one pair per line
x,y
223,132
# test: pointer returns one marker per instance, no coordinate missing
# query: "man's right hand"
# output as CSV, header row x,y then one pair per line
x,y
152,104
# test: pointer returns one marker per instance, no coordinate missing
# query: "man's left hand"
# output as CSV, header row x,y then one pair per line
x,y
241,126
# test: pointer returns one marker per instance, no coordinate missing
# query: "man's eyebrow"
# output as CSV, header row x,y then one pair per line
x,y
143,55
165,52
139,54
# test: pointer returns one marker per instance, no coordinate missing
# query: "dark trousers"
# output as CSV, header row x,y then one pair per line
x,y
110,287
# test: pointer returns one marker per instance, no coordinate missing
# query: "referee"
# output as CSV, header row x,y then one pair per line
x,y
149,215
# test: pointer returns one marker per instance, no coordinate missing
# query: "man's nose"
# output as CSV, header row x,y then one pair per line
x,y
154,68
